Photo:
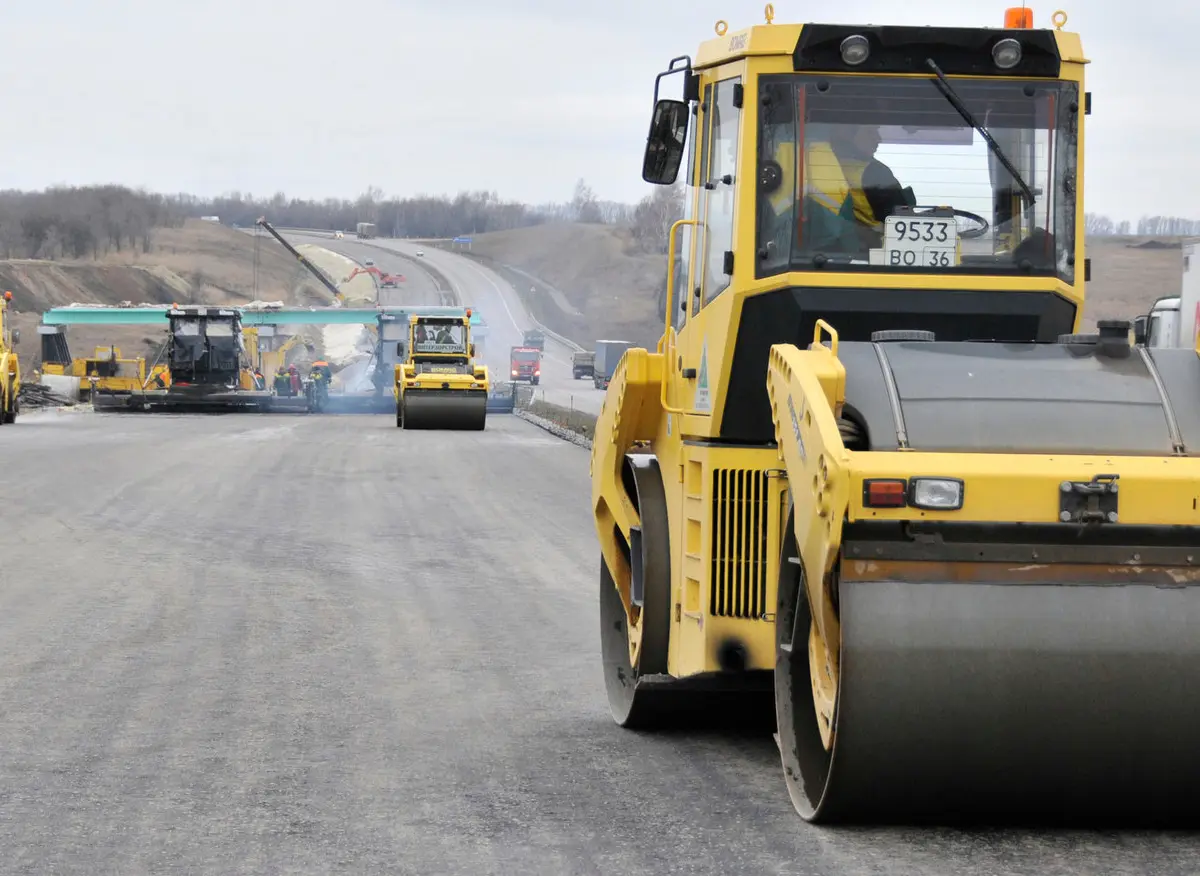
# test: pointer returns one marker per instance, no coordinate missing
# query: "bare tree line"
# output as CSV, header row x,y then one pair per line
x,y
81,222
1099,225
89,222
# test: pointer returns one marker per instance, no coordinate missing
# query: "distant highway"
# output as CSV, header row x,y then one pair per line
x,y
475,286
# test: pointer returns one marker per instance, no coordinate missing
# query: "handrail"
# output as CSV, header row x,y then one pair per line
x,y
668,347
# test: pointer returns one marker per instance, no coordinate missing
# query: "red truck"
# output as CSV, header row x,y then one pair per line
x,y
525,363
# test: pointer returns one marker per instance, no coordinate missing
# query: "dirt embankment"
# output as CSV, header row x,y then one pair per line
x,y
202,262
582,281
591,281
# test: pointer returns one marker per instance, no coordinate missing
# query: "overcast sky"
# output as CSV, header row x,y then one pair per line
x,y
518,96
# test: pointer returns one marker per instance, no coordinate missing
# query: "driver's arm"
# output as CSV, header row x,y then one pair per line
x,y
883,191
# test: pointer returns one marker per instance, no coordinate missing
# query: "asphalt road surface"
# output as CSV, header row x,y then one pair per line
x,y
476,286
304,644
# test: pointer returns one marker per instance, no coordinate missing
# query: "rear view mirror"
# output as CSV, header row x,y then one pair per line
x,y
1139,331
664,144
16,335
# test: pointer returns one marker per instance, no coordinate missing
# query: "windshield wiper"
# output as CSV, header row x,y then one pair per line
x,y
951,95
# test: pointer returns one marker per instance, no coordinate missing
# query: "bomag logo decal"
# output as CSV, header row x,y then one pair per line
x,y
796,430
737,43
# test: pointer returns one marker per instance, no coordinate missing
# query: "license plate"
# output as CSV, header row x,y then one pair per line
x,y
927,243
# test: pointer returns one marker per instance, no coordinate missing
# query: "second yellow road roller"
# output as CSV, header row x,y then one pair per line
x,y
874,476
440,385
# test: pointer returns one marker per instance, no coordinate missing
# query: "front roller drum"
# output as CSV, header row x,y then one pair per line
x,y
443,409
998,691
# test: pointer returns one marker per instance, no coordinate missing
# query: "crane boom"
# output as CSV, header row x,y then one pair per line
x,y
313,269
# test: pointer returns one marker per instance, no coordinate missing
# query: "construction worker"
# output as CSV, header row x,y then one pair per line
x,y
318,375
850,192
294,380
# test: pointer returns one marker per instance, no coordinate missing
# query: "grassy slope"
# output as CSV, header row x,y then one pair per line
x,y
598,271
202,262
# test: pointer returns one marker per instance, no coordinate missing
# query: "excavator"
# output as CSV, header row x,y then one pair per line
x,y
440,385
10,365
259,341
383,278
874,487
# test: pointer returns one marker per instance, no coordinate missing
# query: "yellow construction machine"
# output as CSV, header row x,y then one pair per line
x,y
105,370
10,365
871,472
261,338
439,385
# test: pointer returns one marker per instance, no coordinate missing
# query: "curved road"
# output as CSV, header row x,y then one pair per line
x,y
476,286
359,650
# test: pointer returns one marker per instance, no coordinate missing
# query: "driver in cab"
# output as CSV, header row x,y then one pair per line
x,y
849,191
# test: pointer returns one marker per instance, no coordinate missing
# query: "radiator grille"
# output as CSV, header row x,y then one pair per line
x,y
739,543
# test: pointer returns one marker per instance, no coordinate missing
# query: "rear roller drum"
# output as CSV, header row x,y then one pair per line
x,y
634,703
641,696
13,404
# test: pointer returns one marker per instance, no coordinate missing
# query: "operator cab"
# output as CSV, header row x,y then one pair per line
x,y
897,178
440,344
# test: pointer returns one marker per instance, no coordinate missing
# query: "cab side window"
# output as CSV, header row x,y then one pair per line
x,y
719,181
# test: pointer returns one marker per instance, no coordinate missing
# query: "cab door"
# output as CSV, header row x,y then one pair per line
x,y
685,273
712,257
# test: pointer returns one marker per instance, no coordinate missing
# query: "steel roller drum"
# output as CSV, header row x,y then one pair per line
x,y
1009,671
1048,700
444,409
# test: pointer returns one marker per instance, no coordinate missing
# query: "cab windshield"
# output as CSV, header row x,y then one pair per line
x,y
439,338
525,355
892,177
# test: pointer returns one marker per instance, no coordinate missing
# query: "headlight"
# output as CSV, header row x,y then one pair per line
x,y
855,49
926,493
1006,54
936,494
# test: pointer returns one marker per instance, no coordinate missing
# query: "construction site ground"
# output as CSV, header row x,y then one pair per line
x,y
305,644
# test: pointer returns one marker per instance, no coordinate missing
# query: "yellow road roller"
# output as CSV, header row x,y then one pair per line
x,y
10,363
440,385
873,481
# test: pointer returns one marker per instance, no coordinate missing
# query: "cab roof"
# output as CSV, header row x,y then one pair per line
x,y
816,46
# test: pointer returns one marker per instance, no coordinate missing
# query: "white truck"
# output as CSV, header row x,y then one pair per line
x,y
1174,320
365,230
608,354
